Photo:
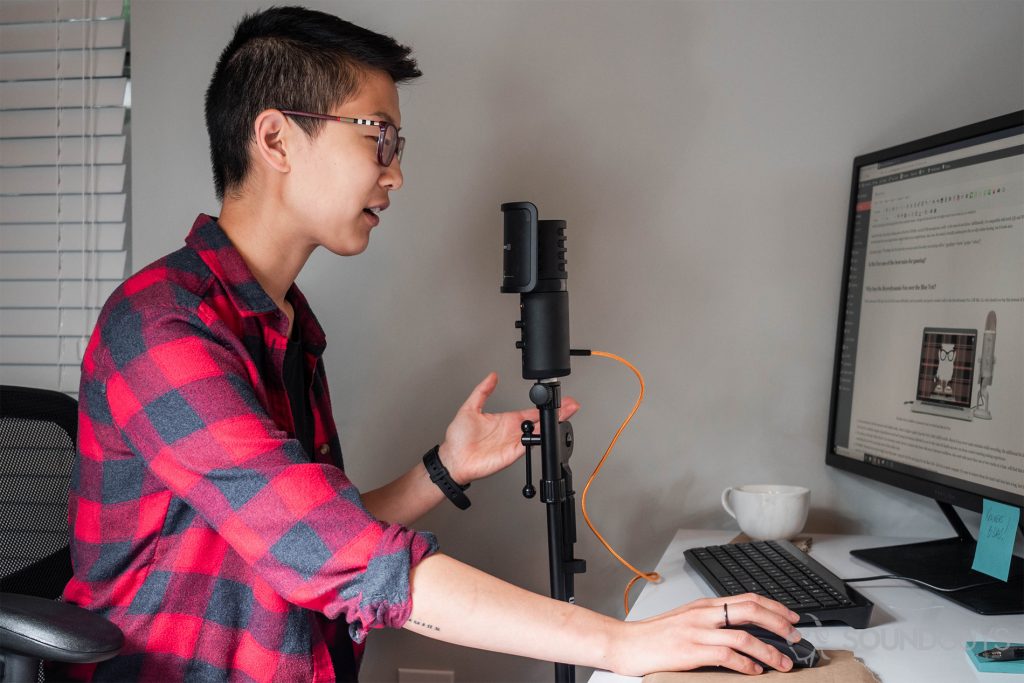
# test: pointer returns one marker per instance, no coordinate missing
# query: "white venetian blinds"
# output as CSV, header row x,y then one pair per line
x,y
63,181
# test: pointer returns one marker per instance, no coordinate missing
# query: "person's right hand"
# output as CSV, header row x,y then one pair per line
x,y
693,636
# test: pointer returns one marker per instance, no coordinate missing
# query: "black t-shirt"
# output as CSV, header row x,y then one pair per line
x,y
296,383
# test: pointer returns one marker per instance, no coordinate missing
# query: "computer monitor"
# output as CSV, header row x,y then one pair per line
x,y
923,396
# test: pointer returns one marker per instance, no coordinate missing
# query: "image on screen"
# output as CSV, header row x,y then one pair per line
x,y
946,373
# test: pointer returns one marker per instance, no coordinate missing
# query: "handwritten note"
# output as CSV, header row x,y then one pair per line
x,y
995,539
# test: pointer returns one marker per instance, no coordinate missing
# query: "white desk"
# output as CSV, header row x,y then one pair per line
x,y
914,635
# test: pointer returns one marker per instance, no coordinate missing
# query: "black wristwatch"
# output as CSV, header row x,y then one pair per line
x,y
439,475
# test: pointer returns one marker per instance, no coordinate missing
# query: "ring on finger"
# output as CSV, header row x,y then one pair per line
x,y
725,612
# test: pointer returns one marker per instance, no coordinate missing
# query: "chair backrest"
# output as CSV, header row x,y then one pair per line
x,y
38,429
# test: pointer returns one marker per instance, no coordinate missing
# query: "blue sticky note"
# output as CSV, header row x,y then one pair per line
x,y
995,539
982,664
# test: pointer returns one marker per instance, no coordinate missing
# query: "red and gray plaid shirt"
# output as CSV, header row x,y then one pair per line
x,y
199,524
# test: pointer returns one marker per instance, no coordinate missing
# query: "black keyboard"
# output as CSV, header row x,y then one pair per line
x,y
781,571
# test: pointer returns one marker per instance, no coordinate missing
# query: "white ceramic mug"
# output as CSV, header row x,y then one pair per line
x,y
768,511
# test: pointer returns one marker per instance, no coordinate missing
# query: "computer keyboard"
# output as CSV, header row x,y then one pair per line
x,y
781,571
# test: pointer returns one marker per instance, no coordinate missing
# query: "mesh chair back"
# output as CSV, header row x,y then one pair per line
x,y
37,452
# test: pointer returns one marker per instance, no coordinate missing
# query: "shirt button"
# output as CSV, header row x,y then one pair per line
x,y
325,449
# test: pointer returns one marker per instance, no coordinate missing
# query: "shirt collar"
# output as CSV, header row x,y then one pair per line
x,y
247,296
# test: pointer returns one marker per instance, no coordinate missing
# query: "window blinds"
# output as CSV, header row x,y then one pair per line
x,y
63,181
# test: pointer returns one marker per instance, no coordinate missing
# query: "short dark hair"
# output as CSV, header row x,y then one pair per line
x,y
289,58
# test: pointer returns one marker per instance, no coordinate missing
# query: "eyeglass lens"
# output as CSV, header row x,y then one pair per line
x,y
391,145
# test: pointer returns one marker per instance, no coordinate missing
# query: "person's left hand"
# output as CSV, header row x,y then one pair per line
x,y
478,444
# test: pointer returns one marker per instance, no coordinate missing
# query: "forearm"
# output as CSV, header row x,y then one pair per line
x,y
459,604
406,499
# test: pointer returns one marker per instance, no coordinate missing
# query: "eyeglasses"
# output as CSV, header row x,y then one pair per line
x,y
389,143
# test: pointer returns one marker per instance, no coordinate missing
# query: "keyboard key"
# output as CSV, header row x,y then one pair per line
x,y
716,568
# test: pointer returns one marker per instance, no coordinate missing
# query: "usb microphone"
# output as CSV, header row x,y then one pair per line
x,y
534,267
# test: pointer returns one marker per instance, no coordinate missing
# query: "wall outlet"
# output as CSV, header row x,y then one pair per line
x,y
425,676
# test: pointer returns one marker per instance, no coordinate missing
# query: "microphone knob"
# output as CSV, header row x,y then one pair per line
x,y
540,394
520,345
519,324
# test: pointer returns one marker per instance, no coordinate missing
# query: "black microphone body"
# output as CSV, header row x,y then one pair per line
x,y
535,268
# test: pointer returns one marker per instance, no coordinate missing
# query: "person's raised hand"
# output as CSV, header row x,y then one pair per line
x,y
478,444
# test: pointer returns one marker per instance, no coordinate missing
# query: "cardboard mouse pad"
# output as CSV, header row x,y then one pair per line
x,y
837,666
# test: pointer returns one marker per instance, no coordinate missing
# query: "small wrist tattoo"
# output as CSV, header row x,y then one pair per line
x,y
429,627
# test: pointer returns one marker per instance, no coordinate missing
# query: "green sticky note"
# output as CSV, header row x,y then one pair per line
x,y
995,539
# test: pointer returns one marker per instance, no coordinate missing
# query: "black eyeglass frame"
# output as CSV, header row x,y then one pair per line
x,y
386,151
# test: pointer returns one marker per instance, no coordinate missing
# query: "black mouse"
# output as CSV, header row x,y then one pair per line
x,y
803,653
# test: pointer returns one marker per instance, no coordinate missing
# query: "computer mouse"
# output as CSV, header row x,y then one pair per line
x,y
803,653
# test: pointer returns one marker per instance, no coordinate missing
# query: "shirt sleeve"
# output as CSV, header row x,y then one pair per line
x,y
181,393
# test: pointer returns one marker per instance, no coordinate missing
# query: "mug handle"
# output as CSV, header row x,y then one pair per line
x,y
725,502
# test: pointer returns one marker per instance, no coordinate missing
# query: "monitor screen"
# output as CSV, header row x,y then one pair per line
x,y
928,391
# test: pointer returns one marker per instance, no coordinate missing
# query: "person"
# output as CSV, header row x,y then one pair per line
x,y
212,519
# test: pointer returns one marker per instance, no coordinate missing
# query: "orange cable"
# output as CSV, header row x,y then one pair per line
x,y
654,577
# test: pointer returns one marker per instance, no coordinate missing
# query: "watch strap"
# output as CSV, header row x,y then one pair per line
x,y
439,475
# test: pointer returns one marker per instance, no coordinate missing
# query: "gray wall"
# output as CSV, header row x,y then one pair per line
x,y
700,152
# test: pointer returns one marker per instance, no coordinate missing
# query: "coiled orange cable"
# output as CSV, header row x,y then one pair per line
x,y
653,577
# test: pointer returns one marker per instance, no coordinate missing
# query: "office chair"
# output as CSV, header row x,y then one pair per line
x,y
37,450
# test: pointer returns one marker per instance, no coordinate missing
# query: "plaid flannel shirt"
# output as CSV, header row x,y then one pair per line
x,y
199,525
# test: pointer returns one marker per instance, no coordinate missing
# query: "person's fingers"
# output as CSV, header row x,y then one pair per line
x,y
750,612
743,597
748,646
568,409
530,414
769,604
712,617
761,611
478,397
728,658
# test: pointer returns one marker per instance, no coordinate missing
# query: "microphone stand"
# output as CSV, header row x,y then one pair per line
x,y
534,268
556,492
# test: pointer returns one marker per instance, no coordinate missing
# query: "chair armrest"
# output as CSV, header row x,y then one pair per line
x,y
55,631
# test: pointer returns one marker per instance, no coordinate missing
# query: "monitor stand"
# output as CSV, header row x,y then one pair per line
x,y
947,563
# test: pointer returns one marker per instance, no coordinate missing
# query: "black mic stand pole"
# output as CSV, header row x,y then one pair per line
x,y
556,492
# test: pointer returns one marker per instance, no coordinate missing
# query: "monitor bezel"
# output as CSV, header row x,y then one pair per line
x,y
943,489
